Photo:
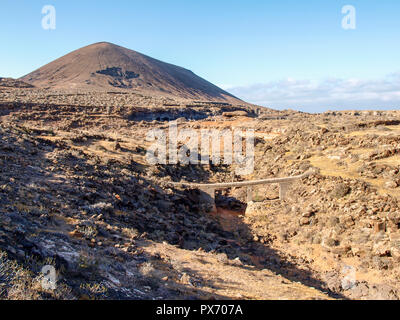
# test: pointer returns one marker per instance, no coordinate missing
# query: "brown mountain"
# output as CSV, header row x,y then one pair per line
x,y
104,66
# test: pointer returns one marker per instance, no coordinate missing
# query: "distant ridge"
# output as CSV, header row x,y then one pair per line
x,y
12,83
106,66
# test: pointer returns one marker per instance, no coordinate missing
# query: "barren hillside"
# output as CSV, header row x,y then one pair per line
x,y
107,67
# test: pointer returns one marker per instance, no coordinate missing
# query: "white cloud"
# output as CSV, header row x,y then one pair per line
x,y
327,94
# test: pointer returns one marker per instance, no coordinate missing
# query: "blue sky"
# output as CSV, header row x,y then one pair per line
x,y
281,54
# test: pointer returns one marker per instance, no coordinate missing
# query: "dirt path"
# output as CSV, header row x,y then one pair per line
x,y
214,275
209,275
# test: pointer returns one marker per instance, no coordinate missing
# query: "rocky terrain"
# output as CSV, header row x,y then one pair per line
x,y
76,192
